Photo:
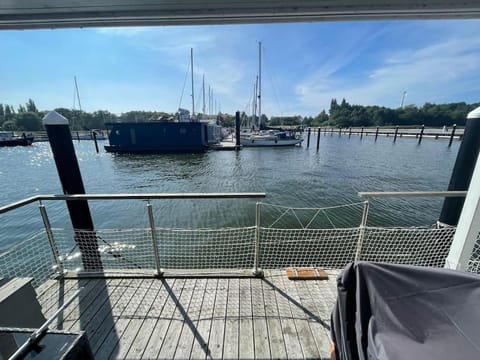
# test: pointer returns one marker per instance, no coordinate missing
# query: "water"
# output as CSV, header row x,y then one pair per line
x,y
297,177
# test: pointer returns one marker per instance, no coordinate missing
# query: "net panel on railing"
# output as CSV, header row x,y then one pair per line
x,y
474,263
330,248
203,249
332,217
410,246
32,257
117,249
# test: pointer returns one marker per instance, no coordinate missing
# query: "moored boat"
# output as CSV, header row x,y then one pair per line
x,y
8,138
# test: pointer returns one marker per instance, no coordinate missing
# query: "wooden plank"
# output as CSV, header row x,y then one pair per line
x,y
260,329
116,312
180,316
55,297
289,331
317,325
137,321
301,320
109,346
44,288
230,346
246,345
103,319
306,273
275,335
73,309
200,349
151,318
189,331
161,327
90,317
217,330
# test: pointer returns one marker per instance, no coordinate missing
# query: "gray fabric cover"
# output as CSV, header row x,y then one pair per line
x,y
387,311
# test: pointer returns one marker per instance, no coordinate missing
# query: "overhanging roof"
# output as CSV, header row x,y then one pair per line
x,y
30,14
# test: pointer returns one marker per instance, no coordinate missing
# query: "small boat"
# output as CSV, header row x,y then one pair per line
x,y
8,138
270,138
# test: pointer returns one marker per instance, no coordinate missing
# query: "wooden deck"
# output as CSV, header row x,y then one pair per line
x,y
217,318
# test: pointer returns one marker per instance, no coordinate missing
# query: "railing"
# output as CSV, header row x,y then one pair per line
x,y
322,237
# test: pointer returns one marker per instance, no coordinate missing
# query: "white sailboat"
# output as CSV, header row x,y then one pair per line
x,y
260,138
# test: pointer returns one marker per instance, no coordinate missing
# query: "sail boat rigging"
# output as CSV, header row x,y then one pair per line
x,y
263,138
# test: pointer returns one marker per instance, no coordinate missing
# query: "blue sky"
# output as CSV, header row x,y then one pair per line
x,y
304,65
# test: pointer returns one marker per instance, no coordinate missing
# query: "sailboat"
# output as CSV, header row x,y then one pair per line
x,y
263,138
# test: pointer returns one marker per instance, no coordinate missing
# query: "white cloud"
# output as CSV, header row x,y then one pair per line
x,y
437,72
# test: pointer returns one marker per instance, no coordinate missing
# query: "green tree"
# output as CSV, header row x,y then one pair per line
x,y
31,107
28,121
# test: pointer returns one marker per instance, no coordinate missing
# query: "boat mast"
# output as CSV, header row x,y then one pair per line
x,y
203,92
193,95
77,93
259,83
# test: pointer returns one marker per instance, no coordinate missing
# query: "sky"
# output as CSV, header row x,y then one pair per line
x,y
304,65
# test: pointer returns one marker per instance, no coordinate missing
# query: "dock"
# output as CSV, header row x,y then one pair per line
x,y
225,146
198,318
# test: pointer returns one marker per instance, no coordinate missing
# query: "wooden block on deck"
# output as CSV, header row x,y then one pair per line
x,y
306,273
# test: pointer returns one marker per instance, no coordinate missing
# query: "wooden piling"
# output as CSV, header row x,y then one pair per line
x,y
421,134
78,137
376,134
308,137
237,130
350,132
361,134
60,139
318,139
395,135
339,131
452,135
94,134
331,131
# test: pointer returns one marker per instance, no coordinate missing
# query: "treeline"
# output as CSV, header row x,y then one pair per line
x,y
346,115
28,118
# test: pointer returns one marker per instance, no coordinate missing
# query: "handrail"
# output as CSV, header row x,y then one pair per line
x,y
370,195
145,196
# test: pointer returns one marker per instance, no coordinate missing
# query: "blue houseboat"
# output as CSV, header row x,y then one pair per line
x,y
157,137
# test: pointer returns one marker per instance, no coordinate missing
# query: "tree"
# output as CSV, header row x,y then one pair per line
x,y
9,112
2,115
9,125
31,107
28,121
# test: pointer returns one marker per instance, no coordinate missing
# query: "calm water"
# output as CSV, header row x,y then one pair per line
x,y
296,177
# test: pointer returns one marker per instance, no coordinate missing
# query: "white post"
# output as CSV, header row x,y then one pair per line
x,y
469,223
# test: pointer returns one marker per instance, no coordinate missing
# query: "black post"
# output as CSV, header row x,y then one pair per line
x,y
452,135
318,138
325,131
396,132
94,134
339,131
78,137
421,134
350,132
376,134
308,137
463,168
331,131
237,130
361,134
60,138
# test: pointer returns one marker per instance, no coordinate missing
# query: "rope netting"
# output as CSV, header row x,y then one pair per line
x,y
284,237
32,257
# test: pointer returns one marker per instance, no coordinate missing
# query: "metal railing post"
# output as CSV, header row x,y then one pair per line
x,y
51,240
154,239
256,269
361,235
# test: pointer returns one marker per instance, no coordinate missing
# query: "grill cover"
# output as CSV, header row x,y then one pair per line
x,y
387,311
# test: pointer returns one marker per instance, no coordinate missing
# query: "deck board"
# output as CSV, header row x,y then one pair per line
x,y
200,348
198,318
189,331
